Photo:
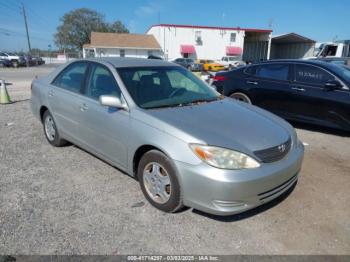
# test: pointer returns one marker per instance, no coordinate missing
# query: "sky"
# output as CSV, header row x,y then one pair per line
x,y
321,20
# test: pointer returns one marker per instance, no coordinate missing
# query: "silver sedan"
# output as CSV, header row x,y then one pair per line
x,y
185,143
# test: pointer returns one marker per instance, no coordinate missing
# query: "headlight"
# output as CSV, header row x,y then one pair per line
x,y
223,158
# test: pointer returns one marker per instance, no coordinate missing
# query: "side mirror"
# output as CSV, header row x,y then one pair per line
x,y
332,84
113,101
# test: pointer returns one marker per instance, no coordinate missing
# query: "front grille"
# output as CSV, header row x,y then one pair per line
x,y
275,153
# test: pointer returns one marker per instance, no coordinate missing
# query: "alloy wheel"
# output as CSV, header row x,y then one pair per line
x,y
50,129
157,182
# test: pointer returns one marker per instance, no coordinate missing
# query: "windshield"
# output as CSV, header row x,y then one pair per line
x,y
154,87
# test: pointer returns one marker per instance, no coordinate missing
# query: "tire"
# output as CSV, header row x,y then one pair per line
x,y
166,182
241,97
51,132
15,63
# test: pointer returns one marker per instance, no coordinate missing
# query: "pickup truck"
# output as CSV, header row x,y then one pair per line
x,y
16,60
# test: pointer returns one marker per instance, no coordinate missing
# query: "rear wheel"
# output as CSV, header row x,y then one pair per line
x,y
50,130
241,97
159,183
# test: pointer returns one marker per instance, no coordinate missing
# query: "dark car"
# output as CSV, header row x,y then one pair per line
x,y
304,90
5,63
189,64
335,60
29,60
38,60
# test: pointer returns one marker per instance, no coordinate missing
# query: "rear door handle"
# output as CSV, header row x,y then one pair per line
x,y
84,107
252,82
50,94
298,89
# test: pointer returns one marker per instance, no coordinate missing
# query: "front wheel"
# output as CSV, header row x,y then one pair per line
x,y
159,183
241,97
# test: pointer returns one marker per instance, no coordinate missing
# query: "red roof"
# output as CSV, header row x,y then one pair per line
x,y
215,27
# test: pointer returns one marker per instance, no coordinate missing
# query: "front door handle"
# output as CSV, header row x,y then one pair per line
x,y
50,94
298,89
252,82
84,107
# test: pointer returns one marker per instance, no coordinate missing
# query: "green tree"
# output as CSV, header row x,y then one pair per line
x,y
76,27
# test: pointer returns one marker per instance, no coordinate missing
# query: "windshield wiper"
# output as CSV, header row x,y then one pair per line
x,y
163,106
193,102
199,101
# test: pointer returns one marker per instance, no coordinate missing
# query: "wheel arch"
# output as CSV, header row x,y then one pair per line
x,y
139,152
43,109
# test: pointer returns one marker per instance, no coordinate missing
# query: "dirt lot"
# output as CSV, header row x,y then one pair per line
x,y
66,201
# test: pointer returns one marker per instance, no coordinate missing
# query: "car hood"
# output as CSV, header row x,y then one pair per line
x,y
224,123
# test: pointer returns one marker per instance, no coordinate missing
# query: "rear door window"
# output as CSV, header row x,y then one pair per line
x,y
311,75
273,71
72,77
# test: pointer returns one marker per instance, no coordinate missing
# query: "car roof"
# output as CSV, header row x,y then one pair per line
x,y
120,62
299,61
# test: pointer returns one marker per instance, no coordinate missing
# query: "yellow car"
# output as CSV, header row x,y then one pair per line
x,y
210,65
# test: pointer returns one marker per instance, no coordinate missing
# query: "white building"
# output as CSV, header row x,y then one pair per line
x,y
208,42
123,45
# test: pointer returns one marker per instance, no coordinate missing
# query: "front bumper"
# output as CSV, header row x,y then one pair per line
x,y
227,192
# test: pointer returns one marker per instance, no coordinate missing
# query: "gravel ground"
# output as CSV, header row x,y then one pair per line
x,y
66,201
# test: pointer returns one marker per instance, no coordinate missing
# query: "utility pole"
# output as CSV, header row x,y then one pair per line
x,y
26,25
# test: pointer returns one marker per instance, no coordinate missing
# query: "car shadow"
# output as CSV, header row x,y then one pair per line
x,y
321,129
251,212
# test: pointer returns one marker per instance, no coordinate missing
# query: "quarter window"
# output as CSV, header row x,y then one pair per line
x,y
101,82
312,75
72,77
273,71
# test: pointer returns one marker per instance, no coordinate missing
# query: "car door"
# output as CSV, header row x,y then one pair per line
x,y
270,86
106,129
63,98
316,102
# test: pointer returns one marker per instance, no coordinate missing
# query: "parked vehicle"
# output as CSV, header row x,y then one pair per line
x,y
189,63
333,49
160,123
230,62
5,63
16,60
210,65
29,61
335,60
39,60
310,91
